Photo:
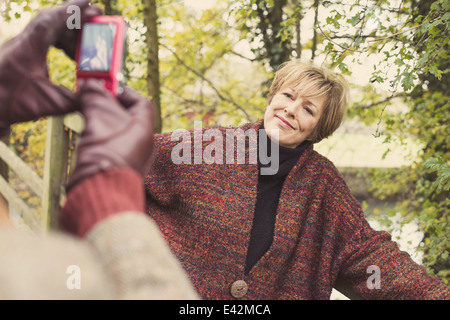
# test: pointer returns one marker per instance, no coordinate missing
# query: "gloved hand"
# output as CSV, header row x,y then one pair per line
x,y
118,132
26,92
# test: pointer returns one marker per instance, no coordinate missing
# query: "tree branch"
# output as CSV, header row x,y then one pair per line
x,y
391,97
386,103
201,76
376,39
335,43
242,56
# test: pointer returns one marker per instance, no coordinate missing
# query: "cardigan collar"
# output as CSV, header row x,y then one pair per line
x,y
287,157
252,148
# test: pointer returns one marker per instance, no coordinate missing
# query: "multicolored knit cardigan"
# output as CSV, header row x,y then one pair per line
x,y
205,213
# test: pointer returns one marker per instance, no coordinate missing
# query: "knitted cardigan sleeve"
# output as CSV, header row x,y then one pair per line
x,y
104,194
373,264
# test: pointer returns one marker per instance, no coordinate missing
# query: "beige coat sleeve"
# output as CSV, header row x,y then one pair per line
x,y
137,260
55,266
123,257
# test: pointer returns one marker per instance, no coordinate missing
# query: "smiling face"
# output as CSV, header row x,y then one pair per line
x,y
295,116
305,102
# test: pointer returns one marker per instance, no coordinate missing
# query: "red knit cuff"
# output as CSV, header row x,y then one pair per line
x,y
100,196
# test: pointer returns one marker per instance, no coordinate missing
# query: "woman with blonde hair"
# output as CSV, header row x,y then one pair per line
x,y
291,234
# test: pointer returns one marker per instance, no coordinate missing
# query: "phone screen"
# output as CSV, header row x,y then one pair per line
x,y
97,46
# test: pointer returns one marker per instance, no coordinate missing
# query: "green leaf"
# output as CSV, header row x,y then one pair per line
x,y
436,72
446,17
423,60
442,169
408,80
344,68
399,62
355,19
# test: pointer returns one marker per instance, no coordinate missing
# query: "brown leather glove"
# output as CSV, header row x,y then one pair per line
x,y
26,92
118,132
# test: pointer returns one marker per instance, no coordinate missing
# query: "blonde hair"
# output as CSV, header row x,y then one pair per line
x,y
308,80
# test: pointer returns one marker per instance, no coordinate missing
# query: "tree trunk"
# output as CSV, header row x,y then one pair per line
x,y
316,19
276,51
153,83
298,30
109,7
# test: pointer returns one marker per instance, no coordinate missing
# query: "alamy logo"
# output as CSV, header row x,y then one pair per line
x,y
234,152
74,280
74,20
374,281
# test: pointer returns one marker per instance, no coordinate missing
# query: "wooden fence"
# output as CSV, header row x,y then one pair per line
x,y
62,133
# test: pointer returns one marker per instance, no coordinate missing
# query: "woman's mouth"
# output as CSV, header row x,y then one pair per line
x,y
284,122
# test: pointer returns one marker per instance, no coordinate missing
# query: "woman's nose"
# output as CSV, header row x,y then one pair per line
x,y
289,111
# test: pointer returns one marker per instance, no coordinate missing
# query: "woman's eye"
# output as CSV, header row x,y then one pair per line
x,y
288,95
309,110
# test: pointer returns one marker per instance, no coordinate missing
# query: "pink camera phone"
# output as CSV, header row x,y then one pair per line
x,y
101,51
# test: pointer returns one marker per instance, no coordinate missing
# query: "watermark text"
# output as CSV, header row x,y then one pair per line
x,y
236,146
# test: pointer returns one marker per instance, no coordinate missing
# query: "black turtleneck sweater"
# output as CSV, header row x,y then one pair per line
x,y
269,190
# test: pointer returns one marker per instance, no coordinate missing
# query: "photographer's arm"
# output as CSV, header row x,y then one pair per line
x,y
113,151
135,257
106,200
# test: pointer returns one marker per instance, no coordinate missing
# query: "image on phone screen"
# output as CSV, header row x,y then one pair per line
x,y
97,46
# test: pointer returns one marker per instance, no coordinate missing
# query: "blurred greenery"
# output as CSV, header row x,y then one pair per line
x,y
215,65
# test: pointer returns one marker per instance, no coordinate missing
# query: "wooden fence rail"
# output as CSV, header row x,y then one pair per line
x,y
60,144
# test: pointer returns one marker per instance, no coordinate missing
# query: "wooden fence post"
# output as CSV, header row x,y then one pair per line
x,y
3,165
55,171
62,134
4,174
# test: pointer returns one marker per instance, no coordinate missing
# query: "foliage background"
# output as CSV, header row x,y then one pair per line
x,y
215,65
